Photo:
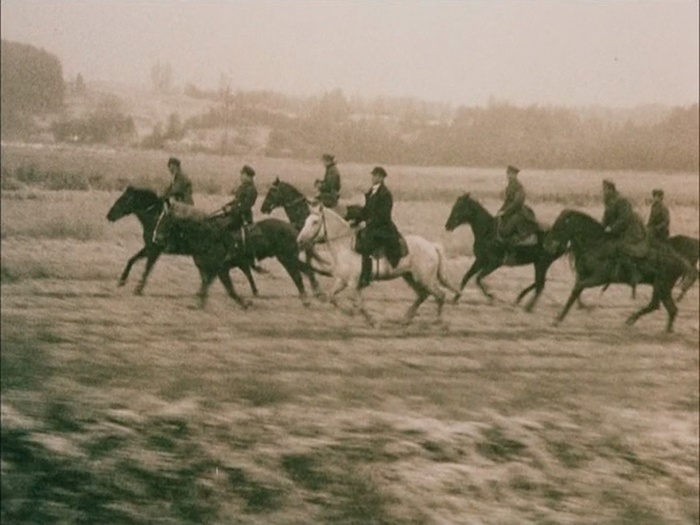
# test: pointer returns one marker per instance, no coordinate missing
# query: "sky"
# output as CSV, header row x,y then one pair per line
x,y
621,53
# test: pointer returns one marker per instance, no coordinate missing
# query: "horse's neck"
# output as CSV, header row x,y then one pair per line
x,y
339,234
297,212
588,234
148,217
484,224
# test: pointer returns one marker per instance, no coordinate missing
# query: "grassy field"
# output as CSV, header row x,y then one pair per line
x,y
125,409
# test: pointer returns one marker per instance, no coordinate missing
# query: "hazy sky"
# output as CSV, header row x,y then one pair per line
x,y
563,52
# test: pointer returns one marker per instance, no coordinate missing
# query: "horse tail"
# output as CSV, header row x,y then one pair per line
x,y
441,275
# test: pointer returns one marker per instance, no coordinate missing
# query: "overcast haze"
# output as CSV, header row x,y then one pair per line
x,y
621,53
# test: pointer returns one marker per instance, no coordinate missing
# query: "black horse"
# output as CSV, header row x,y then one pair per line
x,y
489,252
296,206
686,247
284,195
590,245
147,206
216,247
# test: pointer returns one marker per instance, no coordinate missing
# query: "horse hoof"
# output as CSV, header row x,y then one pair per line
x,y
630,321
305,301
138,291
456,298
121,283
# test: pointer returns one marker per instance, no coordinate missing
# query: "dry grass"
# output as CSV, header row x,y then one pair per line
x,y
125,409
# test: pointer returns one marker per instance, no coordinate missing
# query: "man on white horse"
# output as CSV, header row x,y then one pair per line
x,y
380,230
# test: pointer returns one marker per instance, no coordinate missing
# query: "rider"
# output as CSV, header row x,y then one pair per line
x,y
515,220
627,230
240,209
180,188
659,218
379,230
328,188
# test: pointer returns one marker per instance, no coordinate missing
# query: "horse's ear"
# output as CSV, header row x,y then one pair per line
x,y
277,180
466,195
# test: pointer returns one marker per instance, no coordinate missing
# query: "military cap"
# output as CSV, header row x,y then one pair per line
x,y
658,191
609,184
247,170
512,169
378,170
173,160
326,157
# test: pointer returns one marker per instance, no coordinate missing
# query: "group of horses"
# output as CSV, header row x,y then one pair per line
x,y
216,248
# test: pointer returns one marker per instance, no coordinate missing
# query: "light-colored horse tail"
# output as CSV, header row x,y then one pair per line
x,y
441,273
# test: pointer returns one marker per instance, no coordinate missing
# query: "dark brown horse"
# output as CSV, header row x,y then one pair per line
x,y
216,247
147,206
590,245
489,252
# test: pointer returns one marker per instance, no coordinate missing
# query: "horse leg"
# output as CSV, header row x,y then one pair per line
x,y
575,293
150,261
485,271
125,274
360,306
422,294
685,286
540,278
311,275
473,269
671,309
207,277
525,291
654,304
225,279
292,264
245,268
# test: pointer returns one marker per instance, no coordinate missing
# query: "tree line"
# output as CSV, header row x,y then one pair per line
x,y
388,130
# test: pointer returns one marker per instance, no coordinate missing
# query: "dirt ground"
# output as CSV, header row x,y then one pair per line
x,y
125,409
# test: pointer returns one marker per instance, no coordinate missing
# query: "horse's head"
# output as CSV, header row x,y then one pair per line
x,y
569,226
133,200
314,229
280,194
462,212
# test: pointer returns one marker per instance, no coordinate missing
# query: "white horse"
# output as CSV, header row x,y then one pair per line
x,y
422,268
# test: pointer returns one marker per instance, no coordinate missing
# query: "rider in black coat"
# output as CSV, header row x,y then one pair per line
x,y
380,230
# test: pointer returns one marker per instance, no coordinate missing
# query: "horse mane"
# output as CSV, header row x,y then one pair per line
x,y
474,202
288,186
584,216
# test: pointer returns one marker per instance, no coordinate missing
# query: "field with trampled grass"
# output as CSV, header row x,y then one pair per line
x,y
119,408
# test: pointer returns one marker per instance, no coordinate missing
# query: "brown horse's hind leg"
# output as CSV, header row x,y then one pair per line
x,y
207,278
292,267
246,271
653,305
225,279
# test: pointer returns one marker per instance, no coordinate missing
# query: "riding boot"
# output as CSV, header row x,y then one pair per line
x,y
366,272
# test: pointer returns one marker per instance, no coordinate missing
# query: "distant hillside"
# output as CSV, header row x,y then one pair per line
x,y
389,130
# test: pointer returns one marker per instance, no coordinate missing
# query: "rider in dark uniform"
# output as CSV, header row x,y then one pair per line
x,y
180,188
626,228
659,218
329,187
515,220
380,230
240,209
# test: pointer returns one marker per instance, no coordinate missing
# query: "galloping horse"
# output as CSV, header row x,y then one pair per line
x,y
489,252
589,243
422,268
147,207
215,247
